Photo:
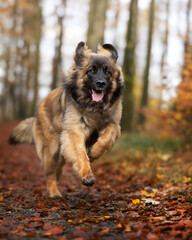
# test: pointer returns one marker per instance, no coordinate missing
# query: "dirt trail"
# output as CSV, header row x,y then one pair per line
x,y
114,208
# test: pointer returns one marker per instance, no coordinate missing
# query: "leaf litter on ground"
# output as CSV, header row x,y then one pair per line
x,y
139,194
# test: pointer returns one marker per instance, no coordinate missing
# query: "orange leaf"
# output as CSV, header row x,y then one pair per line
x,y
127,228
53,231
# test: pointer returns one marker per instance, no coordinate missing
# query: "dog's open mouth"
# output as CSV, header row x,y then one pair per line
x,y
97,96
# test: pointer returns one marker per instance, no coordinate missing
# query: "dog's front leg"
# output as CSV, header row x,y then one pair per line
x,y
105,141
73,150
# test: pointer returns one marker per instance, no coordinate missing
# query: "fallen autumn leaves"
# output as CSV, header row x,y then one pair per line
x,y
121,205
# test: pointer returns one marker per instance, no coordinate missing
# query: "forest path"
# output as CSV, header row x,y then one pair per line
x,y
118,206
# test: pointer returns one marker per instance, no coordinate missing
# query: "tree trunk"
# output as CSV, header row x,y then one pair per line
x,y
6,88
187,36
115,22
57,59
97,17
165,41
129,68
9,101
37,57
144,99
27,81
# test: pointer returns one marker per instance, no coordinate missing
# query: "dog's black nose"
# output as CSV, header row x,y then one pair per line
x,y
101,84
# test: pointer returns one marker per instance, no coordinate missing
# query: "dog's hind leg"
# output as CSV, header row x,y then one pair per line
x,y
60,167
51,169
49,152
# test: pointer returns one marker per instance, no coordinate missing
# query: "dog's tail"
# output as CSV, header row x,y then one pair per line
x,y
23,133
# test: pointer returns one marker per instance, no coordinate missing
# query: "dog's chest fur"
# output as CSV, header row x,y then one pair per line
x,y
95,120
86,120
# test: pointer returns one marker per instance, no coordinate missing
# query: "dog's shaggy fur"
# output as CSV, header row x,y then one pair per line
x,y
79,121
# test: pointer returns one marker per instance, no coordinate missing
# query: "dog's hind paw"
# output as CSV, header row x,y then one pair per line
x,y
89,180
55,195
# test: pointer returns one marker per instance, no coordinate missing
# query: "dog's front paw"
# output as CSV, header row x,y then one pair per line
x,y
92,157
93,154
88,180
111,143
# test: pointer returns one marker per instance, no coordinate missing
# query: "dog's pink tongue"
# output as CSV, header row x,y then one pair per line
x,y
97,97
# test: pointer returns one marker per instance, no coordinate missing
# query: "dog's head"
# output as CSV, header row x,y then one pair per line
x,y
95,81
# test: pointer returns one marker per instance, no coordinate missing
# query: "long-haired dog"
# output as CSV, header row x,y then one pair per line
x,y
77,122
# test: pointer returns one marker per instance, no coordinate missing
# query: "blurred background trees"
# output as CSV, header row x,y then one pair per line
x,y
144,97
57,59
21,31
129,67
153,39
96,20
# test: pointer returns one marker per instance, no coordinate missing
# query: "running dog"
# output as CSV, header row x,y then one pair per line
x,y
77,122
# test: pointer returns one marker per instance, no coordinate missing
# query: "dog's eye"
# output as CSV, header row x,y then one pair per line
x,y
107,71
92,70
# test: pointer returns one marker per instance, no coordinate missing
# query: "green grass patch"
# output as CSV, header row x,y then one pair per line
x,y
139,142
159,161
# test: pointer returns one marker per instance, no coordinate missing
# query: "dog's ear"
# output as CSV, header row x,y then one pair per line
x,y
112,50
79,53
